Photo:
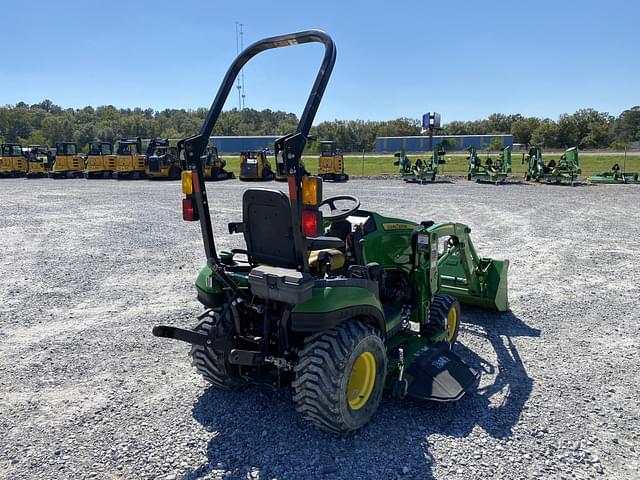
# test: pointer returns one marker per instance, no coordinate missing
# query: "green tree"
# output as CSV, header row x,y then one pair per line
x,y
84,134
627,125
523,128
546,134
496,144
49,123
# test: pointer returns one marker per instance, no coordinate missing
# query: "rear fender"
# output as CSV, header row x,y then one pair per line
x,y
331,305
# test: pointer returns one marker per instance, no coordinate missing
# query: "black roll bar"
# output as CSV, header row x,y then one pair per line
x,y
194,147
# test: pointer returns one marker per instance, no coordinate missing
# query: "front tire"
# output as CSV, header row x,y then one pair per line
x,y
212,362
444,313
340,377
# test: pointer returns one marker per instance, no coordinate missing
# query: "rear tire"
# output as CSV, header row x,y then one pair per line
x,y
212,363
328,390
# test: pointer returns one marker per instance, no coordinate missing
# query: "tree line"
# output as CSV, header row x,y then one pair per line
x,y
45,123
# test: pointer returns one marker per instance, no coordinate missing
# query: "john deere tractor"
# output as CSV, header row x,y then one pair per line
x,y
491,171
254,165
12,160
39,161
565,171
339,301
331,163
130,161
161,160
67,162
214,165
100,162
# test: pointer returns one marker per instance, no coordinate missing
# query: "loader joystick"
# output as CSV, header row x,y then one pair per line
x,y
340,214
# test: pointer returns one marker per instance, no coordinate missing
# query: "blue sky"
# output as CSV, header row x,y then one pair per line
x,y
462,59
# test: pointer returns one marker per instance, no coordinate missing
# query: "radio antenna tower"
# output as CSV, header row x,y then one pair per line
x,y
239,48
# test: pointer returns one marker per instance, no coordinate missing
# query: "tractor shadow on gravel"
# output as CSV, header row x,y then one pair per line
x,y
257,431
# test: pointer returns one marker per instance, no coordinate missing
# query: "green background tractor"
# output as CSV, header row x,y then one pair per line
x,y
337,301
615,175
422,171
565,171
492,171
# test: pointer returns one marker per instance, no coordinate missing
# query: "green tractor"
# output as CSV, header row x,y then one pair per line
x,y
491,172
565,171
340,305
616,175
422,171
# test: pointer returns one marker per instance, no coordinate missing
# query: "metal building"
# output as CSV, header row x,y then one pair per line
x,y
242,144
421,143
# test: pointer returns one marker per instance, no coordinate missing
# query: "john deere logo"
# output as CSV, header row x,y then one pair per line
x,y
440,362
398,226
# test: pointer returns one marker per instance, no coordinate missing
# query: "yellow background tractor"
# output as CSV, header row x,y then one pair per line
x,y
12,161
100,162
67,162
255,166
162,160
214,165
130,161
331,163
39,161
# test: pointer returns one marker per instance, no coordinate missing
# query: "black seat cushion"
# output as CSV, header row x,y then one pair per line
x,y
320,243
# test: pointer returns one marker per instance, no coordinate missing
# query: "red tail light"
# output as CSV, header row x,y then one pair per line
x,y
189,213
310,223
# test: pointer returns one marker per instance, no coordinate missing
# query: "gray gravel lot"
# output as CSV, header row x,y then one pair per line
x,y
88,267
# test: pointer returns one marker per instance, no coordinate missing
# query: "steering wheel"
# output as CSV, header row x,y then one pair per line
x,y
343,214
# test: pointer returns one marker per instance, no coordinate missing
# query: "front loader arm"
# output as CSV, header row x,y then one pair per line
x,y
460,272
461,246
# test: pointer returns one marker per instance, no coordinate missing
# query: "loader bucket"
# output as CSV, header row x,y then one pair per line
x,y
496,283
491,290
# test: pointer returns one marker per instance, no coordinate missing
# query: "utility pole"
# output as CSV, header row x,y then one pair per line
x,y
242,71
239,48
238,86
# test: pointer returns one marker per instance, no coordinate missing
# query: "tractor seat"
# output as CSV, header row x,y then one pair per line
x,y
268,233
335,257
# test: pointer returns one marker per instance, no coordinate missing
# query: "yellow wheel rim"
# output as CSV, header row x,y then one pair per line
x,y
361,381
452,323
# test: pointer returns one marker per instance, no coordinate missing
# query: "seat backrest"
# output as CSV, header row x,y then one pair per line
x,y
268,230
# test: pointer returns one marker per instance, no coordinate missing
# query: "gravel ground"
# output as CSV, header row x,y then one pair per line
x,y
88,267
